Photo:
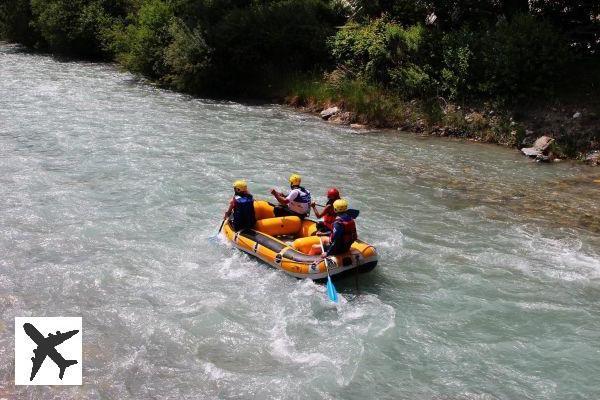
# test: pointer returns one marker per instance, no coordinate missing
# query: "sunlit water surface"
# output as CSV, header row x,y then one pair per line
x,y
111,193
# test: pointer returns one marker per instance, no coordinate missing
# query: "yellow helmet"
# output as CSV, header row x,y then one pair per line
x,y
295,179
240,184
340,205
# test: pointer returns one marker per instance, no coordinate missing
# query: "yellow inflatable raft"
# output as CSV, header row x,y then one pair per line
x,y
285,242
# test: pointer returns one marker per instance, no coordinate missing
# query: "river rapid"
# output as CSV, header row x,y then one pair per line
x,y
111,193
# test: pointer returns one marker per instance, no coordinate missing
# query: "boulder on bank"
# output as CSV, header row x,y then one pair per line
x,y
342,118
593,158
540,148
329,112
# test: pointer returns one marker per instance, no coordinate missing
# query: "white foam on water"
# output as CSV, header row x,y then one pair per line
x,y
215,373
559,258
283,348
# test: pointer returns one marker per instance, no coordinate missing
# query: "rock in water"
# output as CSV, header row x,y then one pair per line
x,y
540,147
329,112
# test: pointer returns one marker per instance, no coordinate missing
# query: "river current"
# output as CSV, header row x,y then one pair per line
x,y
111,193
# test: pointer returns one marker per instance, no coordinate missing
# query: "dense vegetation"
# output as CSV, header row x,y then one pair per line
x,y
192,45
374,54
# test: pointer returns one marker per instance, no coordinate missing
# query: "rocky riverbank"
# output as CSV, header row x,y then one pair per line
x,y
544,132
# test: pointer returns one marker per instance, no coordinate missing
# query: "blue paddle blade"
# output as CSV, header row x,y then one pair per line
x,y
331,293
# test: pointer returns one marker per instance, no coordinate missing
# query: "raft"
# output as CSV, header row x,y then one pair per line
x,y
285,243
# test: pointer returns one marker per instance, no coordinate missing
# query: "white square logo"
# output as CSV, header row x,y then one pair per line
x,y
48,350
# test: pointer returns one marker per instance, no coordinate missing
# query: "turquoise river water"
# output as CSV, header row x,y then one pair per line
x,y
111,192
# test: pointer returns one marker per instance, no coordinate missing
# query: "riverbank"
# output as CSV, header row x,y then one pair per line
x,y
571,119
503,73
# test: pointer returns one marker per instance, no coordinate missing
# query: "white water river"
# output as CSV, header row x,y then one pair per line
x,y
111,192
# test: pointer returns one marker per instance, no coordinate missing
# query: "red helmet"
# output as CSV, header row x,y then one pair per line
x,y
333,193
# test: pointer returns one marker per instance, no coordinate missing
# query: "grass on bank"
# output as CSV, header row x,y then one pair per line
x,y
374,106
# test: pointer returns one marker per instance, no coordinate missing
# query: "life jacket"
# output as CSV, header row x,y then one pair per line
x,y
243,213
349,234
303,200
304,196
329,216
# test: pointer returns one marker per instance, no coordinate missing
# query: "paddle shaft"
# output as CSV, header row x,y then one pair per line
x,y
222,223
331,292
323,250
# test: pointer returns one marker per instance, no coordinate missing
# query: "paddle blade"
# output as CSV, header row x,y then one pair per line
x,y
331,293
353,213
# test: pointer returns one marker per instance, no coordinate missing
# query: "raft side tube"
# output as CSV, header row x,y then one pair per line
x,y
278,226
263,210
309,227
304,244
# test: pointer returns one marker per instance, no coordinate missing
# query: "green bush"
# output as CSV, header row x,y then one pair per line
x,y
457,53
515,60
242,47
141,45
521,59
224,47
188,58
73,27
385,53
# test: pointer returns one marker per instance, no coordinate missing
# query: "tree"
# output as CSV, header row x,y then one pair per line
x,y
15,16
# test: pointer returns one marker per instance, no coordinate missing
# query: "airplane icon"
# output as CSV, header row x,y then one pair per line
x,y
46,347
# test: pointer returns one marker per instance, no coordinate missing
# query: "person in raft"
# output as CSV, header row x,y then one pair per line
x,y
296,203
327,213
241,206
344,231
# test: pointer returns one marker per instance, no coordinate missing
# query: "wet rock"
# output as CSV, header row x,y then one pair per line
x,y
329,112
342,118
593,158
544,158
358,126
540,147
419,126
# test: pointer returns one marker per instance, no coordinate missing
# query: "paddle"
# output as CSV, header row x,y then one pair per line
x,y
221,227
353,213
331,293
